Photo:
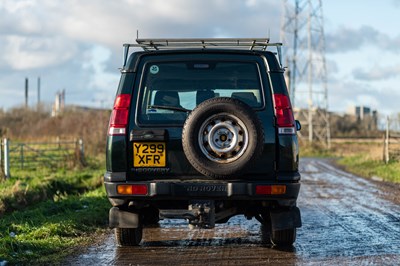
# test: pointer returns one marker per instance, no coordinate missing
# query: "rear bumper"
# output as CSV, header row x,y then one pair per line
x,y
204,189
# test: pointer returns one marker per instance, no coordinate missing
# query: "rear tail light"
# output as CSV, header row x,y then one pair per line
x,y
119,115
139,189
270,190
284,114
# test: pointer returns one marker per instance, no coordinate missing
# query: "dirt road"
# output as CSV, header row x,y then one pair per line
x,y
347,220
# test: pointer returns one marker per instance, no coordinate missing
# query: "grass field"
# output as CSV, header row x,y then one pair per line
x,y
361,158
366,167
46,215
26,187
49,231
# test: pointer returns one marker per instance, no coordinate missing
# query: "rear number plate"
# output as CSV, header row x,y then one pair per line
x,y
149,154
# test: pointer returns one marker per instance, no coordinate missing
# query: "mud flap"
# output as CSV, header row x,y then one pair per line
x,y
285,219
123,219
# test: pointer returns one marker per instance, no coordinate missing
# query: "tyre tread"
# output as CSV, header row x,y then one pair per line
x,y
283,237
128,236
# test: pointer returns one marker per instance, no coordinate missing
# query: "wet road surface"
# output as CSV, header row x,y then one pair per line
x,y
347,220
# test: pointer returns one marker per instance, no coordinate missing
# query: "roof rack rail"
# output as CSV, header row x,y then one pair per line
x,y
260,44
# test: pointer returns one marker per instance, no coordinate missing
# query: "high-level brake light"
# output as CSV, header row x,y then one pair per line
x,y
119,115
284,114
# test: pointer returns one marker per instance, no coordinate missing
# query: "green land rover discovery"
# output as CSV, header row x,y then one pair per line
x,y
202,130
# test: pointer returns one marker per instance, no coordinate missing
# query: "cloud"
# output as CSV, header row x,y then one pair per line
x,y
348,39
376,73
396,3
345,94
114,22
78,45
35,52
14,6
53,27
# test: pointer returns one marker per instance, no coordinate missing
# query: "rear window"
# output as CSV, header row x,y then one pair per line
x,y
169,90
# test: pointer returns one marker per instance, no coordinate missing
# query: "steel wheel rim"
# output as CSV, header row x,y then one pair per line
x,y
223,138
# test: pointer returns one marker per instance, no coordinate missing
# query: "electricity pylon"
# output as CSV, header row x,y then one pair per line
x,y
302,33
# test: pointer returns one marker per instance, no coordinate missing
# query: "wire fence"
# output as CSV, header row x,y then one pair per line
x,y
392,140
394,147
35,155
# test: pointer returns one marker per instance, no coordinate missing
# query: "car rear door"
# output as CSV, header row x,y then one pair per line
x,y
170,86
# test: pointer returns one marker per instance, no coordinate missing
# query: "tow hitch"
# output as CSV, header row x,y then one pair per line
x,y
205,214
200,214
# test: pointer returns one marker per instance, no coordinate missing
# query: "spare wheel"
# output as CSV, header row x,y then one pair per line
x,y
221,137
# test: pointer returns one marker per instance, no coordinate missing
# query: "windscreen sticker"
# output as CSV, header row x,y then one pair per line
x,y
154,69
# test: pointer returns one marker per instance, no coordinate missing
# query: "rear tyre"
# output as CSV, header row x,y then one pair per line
x,y
283,237
265,228
265,234
128,236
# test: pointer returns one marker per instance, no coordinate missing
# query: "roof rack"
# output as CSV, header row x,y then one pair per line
x,y
260,44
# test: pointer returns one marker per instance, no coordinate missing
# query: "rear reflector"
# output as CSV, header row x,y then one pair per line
x,y
120,114
132,189
286,130
116,131
270,190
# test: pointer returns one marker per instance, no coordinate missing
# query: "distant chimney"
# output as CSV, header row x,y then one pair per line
x,y
59,103
38,93
26,92
62,104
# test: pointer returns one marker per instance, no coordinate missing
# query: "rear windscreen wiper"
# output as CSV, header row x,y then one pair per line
x,y
174,108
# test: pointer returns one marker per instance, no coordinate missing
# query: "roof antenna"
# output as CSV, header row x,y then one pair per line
x,y
137,35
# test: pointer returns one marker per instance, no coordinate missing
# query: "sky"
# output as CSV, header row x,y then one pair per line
x,y
77,45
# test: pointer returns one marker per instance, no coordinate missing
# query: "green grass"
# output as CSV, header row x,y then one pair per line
x,y
314,150
49,231
25,188
360,158
365,167
46,215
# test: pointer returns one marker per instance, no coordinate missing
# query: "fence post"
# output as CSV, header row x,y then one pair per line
x,y
22,155
1,160
80,152
81,148
387,141
6,159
